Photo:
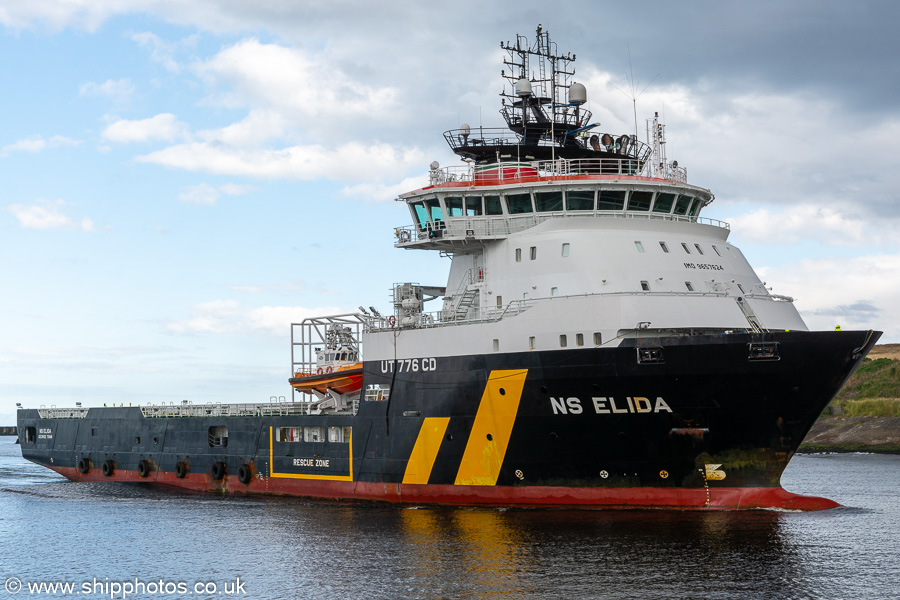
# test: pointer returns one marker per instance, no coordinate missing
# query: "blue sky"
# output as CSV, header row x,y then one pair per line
x,y
182,181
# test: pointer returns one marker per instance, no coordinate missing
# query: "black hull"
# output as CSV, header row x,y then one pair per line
x,y
671,415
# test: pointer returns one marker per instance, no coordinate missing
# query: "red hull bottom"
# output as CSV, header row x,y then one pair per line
x,y
716,498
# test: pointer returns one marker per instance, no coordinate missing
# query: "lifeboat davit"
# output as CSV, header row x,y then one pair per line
x,y
343,379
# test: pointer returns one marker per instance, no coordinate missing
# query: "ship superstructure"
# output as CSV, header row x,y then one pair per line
x,y
596,343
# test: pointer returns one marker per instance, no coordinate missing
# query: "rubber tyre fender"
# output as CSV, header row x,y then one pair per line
x,y
245,474
143,468
218,470
84,465
108,468
181,469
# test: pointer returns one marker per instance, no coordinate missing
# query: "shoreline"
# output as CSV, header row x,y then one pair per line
x,y
879,435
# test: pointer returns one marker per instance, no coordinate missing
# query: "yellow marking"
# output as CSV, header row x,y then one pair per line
x,y
496,414
272,472
425,451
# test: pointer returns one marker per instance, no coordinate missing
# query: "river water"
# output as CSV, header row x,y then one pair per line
x,y
131,541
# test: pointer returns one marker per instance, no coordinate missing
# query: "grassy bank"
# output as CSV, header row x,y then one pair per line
x,y
865,414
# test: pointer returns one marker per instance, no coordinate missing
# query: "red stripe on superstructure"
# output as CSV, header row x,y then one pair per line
x,y
717,498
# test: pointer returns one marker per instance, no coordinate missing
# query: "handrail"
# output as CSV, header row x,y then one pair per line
x,y
486,226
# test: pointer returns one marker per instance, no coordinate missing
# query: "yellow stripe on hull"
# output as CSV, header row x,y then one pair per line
x,y
493,426
424,453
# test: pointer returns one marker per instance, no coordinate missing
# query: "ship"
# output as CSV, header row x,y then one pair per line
x,y
597,343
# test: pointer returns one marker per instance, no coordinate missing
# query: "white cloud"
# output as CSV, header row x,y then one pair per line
x,y
48,215
228,316
164,126
306,89
794,224
353,161
207,195
119,90
855,293
38,143
380,192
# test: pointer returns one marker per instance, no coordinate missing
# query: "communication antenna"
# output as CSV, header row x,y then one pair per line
x,y
631,84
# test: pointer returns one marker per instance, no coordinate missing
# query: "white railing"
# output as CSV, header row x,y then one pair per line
x,y
513,171
486,227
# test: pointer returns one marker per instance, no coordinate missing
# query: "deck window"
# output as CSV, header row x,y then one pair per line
x,y
686,249
492,205
681,207
499,301
554,291
688,285
640,201
288,434
519,203
314,434
597,339
611,200
473,206
639,246
563,341
30,435
645,286
531,343
699,249
663,203
580,200
533,252
377,392
717,251
565,249
496,345
579,339
518,255
548,201
664,247
217,436
454,206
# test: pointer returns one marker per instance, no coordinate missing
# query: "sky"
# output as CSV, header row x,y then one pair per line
x,y
181,180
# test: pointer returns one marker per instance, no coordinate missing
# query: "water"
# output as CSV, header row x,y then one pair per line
x,y
100,535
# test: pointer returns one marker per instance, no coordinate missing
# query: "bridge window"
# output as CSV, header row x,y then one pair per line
x,y
681,207
420,213
640,201
473,206
663,203
492,205
548,201
434,209
580,200
454,206
611,200
519,203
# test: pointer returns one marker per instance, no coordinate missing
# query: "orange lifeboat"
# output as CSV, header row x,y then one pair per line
x,y
343,379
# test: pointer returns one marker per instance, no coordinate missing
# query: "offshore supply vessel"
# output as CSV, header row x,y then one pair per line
x,y
597,343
